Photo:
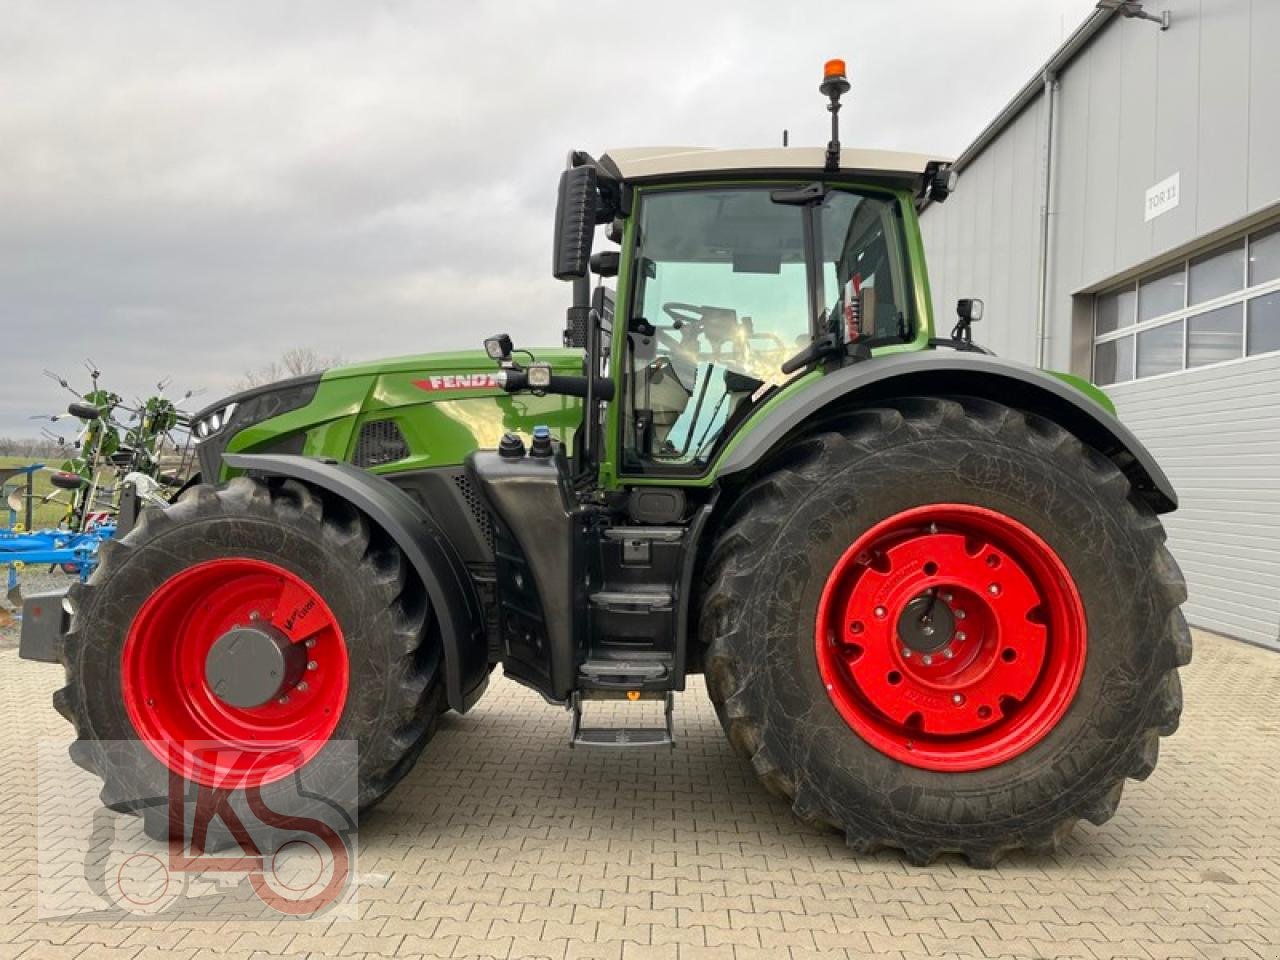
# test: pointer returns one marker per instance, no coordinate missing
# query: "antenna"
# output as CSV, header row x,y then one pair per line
x,y
784,138
834,84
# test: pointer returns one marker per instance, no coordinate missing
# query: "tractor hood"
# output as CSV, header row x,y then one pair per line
x,y
402,413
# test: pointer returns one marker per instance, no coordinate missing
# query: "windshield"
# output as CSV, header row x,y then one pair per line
x,y
722,300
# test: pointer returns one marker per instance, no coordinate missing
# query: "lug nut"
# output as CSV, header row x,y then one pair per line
x,y
881,612
957,698
961,636
255,615
994,589
284,699
948,652
959,614
926,659
946,597
310,643
311,665
906,653
302,687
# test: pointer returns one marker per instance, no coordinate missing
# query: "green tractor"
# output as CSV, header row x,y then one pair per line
x,y
927,588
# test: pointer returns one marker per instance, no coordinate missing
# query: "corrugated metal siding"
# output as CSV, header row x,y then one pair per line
x,y
1216,431
1135,106
983,241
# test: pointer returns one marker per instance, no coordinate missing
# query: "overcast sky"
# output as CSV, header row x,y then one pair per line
x,y
192,188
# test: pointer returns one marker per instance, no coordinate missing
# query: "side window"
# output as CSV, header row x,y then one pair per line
x,y
864,267
722,302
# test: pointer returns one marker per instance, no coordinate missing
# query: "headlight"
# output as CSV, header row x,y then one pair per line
x,y
207,426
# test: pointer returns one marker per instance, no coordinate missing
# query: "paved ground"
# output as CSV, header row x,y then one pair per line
x,y
503,843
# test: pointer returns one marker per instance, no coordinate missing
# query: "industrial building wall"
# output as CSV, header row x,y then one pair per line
x,y
1134,107
1216,431
983,241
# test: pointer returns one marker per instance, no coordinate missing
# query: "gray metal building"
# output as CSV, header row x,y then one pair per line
x,y
1121,219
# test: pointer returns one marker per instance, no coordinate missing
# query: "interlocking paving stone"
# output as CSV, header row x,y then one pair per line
x,y
503,842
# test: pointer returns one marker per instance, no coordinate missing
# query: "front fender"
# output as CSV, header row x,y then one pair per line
x,y
452,594
947,373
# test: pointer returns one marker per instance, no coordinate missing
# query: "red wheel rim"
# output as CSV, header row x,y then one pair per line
x,y
951,637
168,697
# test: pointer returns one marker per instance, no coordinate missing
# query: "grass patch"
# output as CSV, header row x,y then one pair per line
x,y
45,514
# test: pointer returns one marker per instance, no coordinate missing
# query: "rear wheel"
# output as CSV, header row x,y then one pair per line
x,y
246,636
945,626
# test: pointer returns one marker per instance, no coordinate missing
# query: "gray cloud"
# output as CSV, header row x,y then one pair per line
x,y
190,189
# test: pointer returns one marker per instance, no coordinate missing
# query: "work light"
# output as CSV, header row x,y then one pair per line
x,y
498,348
539,376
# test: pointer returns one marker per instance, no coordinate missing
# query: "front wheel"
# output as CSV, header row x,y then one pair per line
x,y
261,641
945,626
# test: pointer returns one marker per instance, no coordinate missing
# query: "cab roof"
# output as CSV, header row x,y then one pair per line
x,y
903,170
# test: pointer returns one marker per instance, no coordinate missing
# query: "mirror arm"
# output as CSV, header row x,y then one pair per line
x,y
823,346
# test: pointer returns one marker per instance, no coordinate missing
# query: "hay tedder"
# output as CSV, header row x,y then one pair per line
x,y
121,458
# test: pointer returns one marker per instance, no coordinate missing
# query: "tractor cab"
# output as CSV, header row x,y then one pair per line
x,y
738,273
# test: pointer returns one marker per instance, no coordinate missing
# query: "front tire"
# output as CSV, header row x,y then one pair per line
x,y
1026,712
278,557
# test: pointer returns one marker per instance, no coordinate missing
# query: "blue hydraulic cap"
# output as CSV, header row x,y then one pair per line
x,y
541,446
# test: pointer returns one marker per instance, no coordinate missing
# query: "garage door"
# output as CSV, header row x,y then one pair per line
x,y
1217,433
1191,355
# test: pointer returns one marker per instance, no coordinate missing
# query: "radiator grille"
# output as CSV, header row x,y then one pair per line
x,y
380,442
478,510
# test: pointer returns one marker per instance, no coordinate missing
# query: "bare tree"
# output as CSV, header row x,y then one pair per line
x,y
292,363
31,448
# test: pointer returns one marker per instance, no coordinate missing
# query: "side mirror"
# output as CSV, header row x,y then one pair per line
x,y
969,310
576,208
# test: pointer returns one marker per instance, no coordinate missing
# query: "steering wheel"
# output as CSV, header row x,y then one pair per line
x,y
689,319
682,314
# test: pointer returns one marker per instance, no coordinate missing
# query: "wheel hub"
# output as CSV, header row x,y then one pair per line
x,y
250,666
926,625
950,637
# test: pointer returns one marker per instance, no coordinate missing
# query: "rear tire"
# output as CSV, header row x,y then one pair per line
x,y
770,577
390,690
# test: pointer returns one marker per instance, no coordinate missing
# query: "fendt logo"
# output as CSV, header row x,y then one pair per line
x,y
300,614
457,381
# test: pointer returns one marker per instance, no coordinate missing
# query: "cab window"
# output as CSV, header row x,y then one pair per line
x,y
722,299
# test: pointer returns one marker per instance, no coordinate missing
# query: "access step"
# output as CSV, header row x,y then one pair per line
x,y
619,601
621,672
663,736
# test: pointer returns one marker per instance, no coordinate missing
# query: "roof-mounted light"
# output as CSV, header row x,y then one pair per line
x,y
834,84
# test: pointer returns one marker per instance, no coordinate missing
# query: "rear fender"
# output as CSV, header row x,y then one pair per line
x,y
939,373
452,594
